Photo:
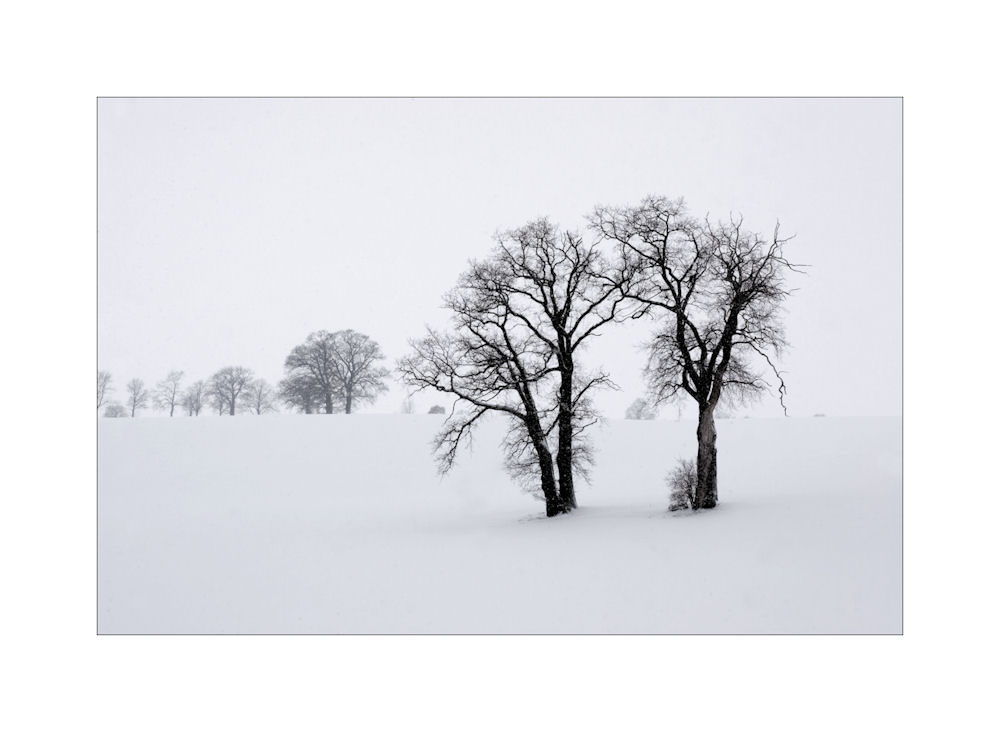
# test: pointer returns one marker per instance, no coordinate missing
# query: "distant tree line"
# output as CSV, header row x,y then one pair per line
x,y
328,373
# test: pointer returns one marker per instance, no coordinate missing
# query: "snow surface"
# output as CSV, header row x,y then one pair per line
x,y
340,524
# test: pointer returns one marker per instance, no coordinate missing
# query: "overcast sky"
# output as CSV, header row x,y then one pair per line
x,y
230,229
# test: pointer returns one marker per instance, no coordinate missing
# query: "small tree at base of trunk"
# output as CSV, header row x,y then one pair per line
x,y
682,481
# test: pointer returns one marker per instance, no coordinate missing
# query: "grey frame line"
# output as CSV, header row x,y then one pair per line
x,y
765,97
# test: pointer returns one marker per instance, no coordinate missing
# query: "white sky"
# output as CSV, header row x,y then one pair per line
x,y
230,229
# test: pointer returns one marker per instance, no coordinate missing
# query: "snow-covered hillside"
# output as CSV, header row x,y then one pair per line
x,y
339,524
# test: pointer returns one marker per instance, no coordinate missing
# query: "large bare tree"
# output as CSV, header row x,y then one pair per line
x,y
168,393
490,363
103,387
564,291
716,291
138,395
227,385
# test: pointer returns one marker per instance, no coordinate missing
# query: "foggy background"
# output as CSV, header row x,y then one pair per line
x,y
230,229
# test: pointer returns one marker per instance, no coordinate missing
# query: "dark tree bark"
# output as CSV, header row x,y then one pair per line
x,y
564,418
706,489
555,504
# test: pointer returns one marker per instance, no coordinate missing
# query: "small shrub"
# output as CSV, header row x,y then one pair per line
x,y
682,481
436,409
114,409
640,409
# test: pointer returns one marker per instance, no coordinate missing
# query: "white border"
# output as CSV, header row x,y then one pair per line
x,y
59,57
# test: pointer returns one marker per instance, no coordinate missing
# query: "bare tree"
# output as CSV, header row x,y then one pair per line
x,y
716,291
103,387
259,397
341,367
138,396
168,392
356,371
490,363
194,398
313,365
564,291
301,392
227,385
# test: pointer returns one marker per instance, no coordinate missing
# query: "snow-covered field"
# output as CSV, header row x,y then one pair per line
x,y
340,524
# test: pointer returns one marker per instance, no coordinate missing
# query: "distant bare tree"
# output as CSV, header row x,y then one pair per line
x,y
357,374
491,363
313,366
716,291
640,409
194,398
168,392
301,392
259,397
138,396
103,387
437,409
114,409
341,367
227,386
407,406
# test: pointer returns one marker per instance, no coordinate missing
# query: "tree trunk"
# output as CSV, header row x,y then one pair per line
x,y
171,410
347,402
232,408
564,451
329,403
553,505
707,489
